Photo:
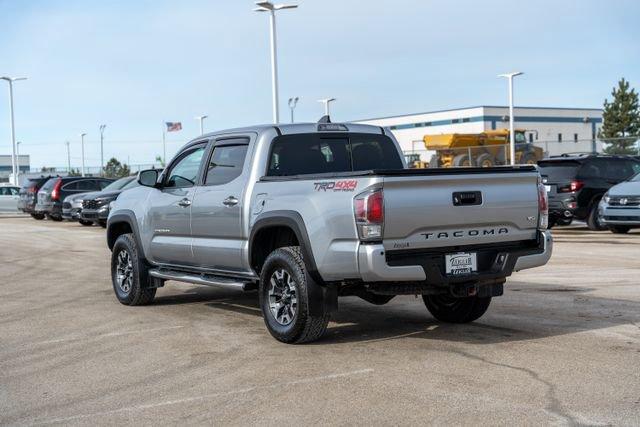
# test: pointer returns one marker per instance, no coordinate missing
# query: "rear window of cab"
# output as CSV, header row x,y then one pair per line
x,y
317,153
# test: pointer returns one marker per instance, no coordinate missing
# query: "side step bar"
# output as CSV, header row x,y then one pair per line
x,y
202,279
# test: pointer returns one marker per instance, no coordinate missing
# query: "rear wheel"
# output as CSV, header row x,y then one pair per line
x,y
528,159
619,229
85,223
284,298
102,223
129,273
56,218
456,310
37,216
593,219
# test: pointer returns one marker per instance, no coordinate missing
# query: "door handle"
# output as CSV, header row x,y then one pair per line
x,y
230,201
184,203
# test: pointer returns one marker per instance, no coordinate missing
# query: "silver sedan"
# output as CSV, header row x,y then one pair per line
x,y
619,208
9,196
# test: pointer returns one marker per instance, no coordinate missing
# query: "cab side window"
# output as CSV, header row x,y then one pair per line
x,y
184,172
226,163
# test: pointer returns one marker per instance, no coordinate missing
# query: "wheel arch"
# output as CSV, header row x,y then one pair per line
x,y
121,223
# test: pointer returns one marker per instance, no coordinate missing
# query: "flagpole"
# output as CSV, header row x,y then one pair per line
x,y
164,144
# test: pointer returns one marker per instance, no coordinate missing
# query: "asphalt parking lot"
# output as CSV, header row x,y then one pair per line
x,y
561,346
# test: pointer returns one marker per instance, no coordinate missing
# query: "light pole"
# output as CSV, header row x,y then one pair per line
x,y
326,102
201,119
512,137
10,80
68,157
82,135
267,6
18,162
102,149
292,105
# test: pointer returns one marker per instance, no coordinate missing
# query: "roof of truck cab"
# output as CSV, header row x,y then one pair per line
x,y
289,129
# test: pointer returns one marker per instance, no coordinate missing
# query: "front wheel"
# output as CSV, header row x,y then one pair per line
x,y
284,298
593,219
456,310
37,216
85,222
129,273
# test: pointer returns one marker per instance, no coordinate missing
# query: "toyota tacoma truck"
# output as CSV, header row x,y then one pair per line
x,y
308,213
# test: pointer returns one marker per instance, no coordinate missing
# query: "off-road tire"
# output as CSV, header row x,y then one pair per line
x,y
85,223
303,327
593,223
138,293
456,310
38,216
485,160
461,160
619,229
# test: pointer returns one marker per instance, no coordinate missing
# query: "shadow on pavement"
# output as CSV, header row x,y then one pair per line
x,y
523,313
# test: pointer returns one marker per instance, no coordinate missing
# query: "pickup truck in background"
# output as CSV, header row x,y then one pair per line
x,y
307,213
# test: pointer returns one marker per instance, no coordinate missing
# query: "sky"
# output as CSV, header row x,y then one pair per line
x,y
134,64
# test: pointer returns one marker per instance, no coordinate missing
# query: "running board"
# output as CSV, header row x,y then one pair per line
x,y
202,279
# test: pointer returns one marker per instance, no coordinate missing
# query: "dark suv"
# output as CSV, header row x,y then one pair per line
x,y
54,191
29,196
575,185
95,207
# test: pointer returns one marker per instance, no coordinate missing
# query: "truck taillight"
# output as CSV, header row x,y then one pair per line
x,y
543,207
55,193
368,208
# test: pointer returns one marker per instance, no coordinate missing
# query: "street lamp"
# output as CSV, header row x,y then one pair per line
x,y
10,80
201,119
82,135
292,105
326,102
68,157
102,149
18,161
267,6
512,138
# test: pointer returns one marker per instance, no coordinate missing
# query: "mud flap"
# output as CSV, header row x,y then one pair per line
x,y
323,299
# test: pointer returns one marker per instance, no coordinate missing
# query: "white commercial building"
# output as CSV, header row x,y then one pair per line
x,y
5,166
555,130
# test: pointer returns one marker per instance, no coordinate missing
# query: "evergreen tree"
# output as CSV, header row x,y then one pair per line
x,y
115,169
621,119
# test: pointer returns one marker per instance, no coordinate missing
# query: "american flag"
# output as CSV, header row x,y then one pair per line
x,y
173,126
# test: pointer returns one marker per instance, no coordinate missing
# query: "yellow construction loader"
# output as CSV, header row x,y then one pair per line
x,y
483,149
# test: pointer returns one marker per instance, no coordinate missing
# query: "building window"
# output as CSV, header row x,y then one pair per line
x,y
575,137
559,137
455,120
393,127
530,138
466,120
427,123
417,125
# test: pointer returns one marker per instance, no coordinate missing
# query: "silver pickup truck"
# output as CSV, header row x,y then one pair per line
x,y
306,213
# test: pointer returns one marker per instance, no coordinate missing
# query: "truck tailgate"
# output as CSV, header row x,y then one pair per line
x,y
455,209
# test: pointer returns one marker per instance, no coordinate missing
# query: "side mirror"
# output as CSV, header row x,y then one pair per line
x,y
148,178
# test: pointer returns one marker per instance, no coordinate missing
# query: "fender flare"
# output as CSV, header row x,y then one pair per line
x,y
325,295
124,216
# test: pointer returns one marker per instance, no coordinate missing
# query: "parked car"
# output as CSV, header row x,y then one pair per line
x,y
575,185
71,207
9,197
29,196
54,191
95,206
309,212
619,208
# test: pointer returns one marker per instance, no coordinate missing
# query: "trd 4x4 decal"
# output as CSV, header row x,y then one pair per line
x,y
342,185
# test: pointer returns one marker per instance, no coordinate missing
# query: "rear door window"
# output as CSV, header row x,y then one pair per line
x,y
609,169
226,163
87,185
307,154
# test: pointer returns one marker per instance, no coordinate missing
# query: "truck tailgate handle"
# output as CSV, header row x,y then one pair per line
x,y
230,201
467,198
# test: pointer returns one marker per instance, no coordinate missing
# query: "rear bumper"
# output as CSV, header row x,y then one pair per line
x,y
495,262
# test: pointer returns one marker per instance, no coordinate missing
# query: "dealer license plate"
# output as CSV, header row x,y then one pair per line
x,y
548,187
461,263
